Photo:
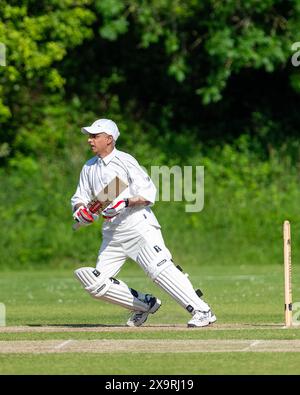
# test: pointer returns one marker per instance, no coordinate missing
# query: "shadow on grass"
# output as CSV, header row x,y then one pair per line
x,y
174,326
78,325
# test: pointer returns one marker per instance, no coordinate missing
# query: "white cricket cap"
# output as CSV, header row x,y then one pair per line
x,y
102,126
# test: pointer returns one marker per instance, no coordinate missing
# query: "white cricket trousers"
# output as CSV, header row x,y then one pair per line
x,y
143,243
126,242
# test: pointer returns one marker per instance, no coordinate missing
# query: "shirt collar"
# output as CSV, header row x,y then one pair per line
x,y
109,157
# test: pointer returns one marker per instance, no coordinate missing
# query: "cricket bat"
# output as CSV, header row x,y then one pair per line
x,y
104,198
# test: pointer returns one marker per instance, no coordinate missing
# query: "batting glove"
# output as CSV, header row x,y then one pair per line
x,y
115,208
84,216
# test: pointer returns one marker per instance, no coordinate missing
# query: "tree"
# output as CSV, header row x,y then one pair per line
x,y
37,36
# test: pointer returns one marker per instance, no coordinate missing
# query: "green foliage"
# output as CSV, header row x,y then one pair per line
x,y
114,23
37,39
231,35
151,59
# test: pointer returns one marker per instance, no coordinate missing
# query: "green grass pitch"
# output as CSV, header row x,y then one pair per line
x,y
52,306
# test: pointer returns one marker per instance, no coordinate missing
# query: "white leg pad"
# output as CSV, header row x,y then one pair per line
x,y
120,293
95,284
110,289
177,285
154,259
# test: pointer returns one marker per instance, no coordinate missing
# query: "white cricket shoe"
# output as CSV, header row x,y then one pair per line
x,y
202,318
139,317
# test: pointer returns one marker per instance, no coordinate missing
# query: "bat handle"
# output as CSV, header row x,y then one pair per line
x,y
76,226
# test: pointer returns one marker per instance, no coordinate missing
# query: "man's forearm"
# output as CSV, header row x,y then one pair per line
x,y
137,201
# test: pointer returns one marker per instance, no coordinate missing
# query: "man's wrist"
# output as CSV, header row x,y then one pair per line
x,y
76,207
126,200
136,201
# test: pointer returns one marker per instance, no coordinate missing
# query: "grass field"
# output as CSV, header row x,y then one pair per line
x,y
54,327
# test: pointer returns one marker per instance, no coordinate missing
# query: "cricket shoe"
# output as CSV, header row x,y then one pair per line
x,y
202,318
139,317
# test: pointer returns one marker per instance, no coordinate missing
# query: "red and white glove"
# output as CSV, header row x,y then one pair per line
x,y
115,208
84,216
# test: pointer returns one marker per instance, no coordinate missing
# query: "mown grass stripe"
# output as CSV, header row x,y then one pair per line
x,y
148,346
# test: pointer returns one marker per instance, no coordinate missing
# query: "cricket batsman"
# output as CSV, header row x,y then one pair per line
x,y
130,229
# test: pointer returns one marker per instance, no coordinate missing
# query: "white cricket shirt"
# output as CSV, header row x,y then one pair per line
x,y
97,173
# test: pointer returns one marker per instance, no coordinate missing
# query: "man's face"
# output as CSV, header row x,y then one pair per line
x,y
99,142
